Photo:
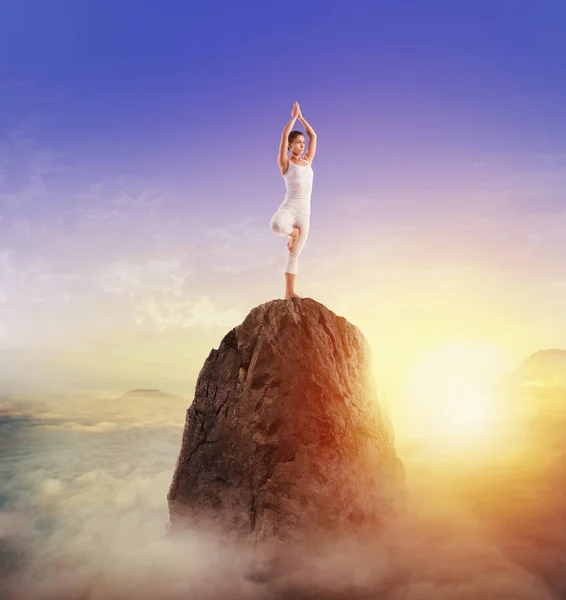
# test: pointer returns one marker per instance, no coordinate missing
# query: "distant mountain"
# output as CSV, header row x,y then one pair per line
x,y
149,393
543,368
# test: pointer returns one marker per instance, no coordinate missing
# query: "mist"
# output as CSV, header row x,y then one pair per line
x,y
83,515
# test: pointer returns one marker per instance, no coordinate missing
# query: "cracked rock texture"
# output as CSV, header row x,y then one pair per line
x,y
285,438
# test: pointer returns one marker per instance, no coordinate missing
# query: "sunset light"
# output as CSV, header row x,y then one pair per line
x,y
452,396
282,300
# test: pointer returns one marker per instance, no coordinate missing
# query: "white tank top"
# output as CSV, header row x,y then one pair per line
x,y
298,181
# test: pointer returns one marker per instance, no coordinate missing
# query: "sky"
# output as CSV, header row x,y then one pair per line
x,y
138,176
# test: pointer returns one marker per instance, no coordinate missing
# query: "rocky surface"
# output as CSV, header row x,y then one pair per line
x,y
285,438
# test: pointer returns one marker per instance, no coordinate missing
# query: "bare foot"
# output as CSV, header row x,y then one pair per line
x,y
292,295
293,237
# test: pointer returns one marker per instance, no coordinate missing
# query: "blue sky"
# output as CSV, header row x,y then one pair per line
x,y
138,178
180,80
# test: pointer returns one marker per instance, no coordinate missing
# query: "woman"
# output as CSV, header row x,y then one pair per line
x,y
292,218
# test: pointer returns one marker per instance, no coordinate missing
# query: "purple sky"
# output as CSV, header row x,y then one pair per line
x,y
138,175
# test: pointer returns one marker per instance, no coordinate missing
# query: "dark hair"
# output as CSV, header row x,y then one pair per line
x,y
293,135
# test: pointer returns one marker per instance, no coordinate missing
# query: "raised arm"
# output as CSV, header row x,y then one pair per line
x,y
282,158
309,155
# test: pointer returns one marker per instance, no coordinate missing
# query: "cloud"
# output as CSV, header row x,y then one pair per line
x,y
103,427
51,487
171,314
144,199
13,523
129,251
11,275
165,274
242,246
247,231
35,190
158,293
86,514
46,162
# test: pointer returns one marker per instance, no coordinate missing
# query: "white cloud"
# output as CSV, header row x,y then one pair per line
x,y
46,162
166,275
35,190
243,246
167,313
12,274
15,523
141,200
103,427
90,514
51,487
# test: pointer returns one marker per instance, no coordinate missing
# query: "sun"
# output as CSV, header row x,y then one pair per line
x,y
463,407
450,397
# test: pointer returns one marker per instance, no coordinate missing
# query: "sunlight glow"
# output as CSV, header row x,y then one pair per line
x,y
451,397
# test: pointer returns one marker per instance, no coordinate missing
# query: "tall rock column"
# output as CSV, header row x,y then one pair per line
x,y
285,438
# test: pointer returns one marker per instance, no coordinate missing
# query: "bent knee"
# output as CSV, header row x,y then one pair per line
x,y
279,228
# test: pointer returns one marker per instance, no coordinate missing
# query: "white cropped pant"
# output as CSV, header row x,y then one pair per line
x,y
282,223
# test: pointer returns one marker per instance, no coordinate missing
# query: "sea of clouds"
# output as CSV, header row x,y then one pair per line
x,y
83,514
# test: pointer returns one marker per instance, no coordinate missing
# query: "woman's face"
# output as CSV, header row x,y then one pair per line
x,y
297,146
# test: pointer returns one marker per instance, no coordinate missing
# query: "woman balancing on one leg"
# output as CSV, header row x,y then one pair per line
x,y
292,218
